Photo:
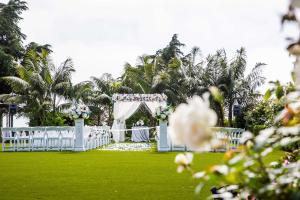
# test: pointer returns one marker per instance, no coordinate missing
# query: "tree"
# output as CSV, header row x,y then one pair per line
x,y
172,50
140,78
212,75
11,39
38,84
239,87
100,100
181,76
192,70
230,78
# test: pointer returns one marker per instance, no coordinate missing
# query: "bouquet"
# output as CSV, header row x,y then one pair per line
x,y
162,113
80,110
140,123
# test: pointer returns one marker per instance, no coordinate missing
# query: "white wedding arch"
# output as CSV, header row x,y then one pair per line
x,y
125,105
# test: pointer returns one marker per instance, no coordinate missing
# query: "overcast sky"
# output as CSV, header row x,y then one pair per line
x,y
101,35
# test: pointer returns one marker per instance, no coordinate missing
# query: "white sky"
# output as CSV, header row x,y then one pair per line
x,y
101,35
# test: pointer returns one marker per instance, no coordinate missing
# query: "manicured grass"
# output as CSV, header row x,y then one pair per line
x,y
97,174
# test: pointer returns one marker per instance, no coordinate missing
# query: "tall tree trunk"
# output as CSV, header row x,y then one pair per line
x,y
109,115
218,108
54,106
220,115
99,115
230,112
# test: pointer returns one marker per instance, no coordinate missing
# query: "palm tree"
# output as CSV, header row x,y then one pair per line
x,y
61,80
212,75
100,100
192,70
228,76
38,86
239,87
140,78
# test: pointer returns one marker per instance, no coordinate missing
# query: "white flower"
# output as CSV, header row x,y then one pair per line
x,y
293,130
266,151
75,116
180,168
199,175
235,159
158,112
246,136
84,115
184,159
225,195
78,111
223,169
273,164
263,136
191,123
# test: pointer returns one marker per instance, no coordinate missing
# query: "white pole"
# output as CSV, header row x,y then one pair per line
x,y
163,144
79,139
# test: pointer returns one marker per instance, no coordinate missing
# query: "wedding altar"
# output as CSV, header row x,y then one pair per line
x,y
125,105
140,134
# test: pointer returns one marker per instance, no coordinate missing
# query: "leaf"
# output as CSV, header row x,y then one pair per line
x,y
16,83
216,94
279,92
267,95
199,188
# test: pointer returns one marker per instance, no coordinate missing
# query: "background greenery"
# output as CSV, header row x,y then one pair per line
x,y
33,81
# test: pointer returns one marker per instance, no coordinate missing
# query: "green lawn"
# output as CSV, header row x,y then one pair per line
x,y
98,175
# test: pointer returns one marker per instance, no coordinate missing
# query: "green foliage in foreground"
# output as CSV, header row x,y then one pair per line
x,y
99,175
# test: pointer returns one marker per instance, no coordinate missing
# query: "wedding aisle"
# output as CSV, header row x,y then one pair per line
x,y
128,147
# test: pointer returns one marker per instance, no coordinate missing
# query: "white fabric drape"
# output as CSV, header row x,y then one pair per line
x,y
153,105
122,111
125,109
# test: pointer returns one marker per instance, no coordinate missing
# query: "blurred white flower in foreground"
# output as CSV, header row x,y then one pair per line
x,y
191,123
183,161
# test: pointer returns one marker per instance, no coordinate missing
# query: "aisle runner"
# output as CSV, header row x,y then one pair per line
x,y
128,147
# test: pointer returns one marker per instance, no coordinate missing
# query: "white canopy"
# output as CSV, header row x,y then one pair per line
x,y
125,105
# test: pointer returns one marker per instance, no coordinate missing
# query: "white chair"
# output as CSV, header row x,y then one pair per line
x,y
108,135
235,137
87,134
223,141
97,138
38,139
8,139
67,140
23,139
53,138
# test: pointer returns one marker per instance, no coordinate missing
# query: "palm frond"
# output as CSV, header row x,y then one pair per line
x,y
18,84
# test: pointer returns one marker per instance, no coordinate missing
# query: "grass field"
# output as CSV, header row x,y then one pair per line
x,y
98,175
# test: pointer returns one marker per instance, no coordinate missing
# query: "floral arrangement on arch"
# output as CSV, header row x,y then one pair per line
x,y
139,97
162,113
139,123
79,110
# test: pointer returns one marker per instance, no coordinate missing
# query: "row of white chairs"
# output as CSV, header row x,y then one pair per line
x,y
38,138
229,138
96,136
51,138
